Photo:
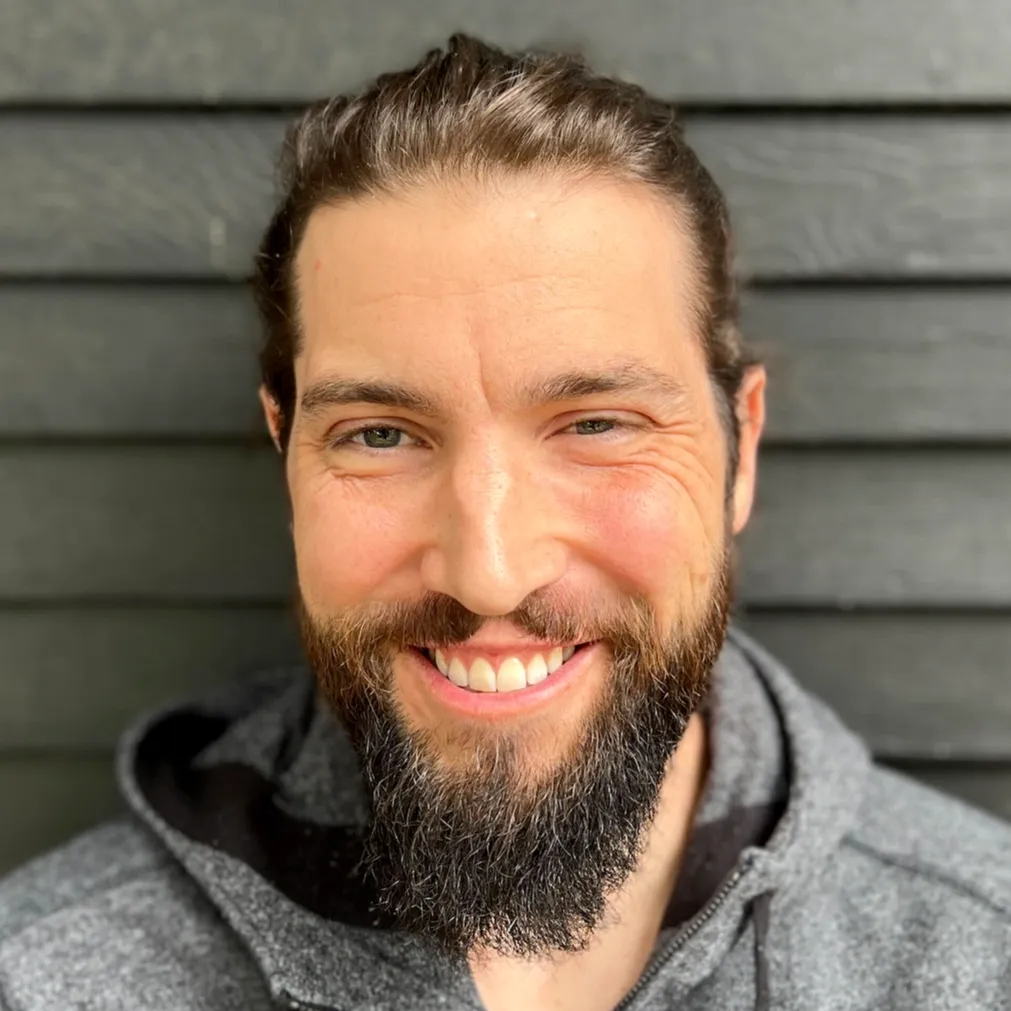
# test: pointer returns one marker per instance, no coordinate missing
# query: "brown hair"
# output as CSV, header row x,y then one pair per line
x,y
472,109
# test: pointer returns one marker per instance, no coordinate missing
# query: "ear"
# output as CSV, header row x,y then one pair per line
x,y
750,409
272,413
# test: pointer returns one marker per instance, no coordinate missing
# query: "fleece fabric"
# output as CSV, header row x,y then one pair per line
x,y
813,878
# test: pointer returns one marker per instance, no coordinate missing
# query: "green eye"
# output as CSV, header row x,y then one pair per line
x,y
388,438
598,426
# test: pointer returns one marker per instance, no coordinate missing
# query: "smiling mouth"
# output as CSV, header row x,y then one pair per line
x,y
509,674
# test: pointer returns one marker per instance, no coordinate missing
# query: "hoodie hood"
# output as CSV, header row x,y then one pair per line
x,y
256,792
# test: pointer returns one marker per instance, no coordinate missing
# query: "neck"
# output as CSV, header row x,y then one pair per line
x,y
601,974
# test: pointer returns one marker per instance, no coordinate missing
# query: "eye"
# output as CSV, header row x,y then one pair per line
x,y
386,437
600,426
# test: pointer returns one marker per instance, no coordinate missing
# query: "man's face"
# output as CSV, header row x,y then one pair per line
x,y
556,478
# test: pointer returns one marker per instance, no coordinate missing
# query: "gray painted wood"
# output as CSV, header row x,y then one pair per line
x,y
210,522
187,195
866,363
196,522
723,50
915,686
851,195
879,364
77,360
50,799
895,528
923,685
77,678
136,194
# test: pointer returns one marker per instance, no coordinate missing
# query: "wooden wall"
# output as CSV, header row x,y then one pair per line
x,y
866,150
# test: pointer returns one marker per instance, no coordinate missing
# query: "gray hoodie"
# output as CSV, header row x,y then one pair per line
x,y
813,878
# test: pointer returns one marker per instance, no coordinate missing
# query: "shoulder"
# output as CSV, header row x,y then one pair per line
x,y
924,882
111,920
94,864
936,840
912,912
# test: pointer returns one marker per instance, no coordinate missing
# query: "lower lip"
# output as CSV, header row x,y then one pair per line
x,y
485,705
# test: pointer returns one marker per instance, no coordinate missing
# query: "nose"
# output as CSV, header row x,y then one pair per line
x,y
495,539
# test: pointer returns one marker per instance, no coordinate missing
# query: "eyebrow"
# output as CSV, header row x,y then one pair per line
x,y
631,376
334,391
627,376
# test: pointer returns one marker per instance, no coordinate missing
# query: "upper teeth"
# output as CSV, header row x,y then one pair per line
x,y
511,674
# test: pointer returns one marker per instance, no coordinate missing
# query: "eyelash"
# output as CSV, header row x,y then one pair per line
x,y
346,437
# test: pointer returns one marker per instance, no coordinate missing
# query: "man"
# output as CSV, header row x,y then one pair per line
x,y
528,766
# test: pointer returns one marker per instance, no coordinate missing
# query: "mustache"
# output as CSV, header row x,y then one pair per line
x,y
441,621
437,620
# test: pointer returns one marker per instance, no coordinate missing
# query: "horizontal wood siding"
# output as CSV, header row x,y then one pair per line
x,y
128,361
914,685
177,523
865,149
702,50
183,195
75,677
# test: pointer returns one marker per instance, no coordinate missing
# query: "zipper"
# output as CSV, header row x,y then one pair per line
x,y
701,918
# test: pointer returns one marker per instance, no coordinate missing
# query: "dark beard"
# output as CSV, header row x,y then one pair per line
x,y
483,856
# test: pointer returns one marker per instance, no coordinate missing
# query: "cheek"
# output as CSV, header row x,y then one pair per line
x,y
345,544
653,536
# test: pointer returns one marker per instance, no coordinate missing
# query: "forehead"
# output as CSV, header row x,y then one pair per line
x,y
503,271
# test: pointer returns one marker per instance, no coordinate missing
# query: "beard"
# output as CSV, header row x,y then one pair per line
x,y
482,854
